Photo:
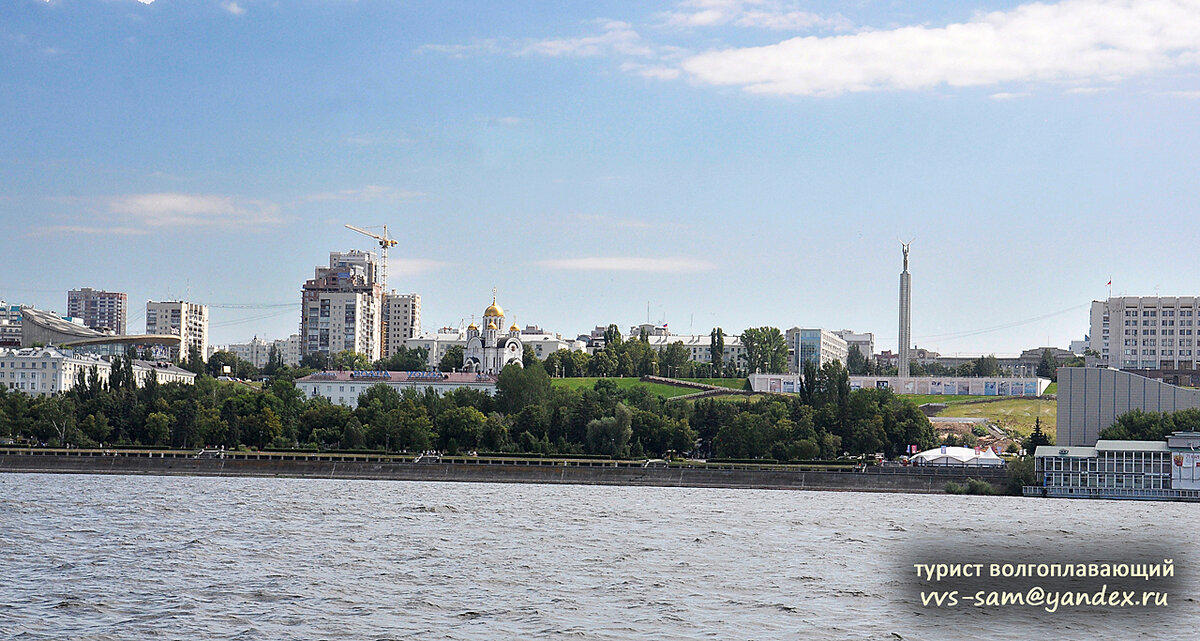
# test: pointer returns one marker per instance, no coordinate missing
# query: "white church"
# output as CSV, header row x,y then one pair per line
x,y
489,351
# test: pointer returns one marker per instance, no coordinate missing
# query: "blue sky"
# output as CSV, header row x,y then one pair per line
x,y
722,162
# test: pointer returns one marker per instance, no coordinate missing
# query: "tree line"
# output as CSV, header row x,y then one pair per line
x,y
527,415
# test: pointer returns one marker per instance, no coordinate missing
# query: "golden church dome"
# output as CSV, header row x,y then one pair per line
x,y
491,324
473,326
493,310
514,328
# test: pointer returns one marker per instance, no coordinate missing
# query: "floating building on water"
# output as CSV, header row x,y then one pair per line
x,y
1151,470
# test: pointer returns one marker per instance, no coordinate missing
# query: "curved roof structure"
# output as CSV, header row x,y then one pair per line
x,y
46,328
957,456
50,322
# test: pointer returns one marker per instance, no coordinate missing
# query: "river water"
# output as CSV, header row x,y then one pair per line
x,y
136,557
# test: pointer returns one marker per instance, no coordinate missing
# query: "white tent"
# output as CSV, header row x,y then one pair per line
x,y
957,456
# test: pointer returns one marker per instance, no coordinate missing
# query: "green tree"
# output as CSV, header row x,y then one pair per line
x,y
406,360
350,360
612,338
766,350
856,362
674,357
610,435
1036,437
716,351
219,361
158,428
528,357
274,360
462,425
986,366
518,387
452,360
1048,367
316,360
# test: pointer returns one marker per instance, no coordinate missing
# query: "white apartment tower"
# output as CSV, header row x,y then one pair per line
x,y
1145,332
188,321
341,307
401,320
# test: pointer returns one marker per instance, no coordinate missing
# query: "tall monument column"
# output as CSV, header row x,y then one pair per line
x,y
905,314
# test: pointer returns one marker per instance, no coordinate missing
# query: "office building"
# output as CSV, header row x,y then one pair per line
x,y
818,346
100,310
698,346
341,307
1153,335
289,349
864,342
256,351
188,321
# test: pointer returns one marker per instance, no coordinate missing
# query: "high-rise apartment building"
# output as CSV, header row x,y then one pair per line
x,y
100,310
401,320
1145,332
189,321
10,325
341,307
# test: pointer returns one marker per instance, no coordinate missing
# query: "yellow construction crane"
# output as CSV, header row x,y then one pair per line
x,y
385,242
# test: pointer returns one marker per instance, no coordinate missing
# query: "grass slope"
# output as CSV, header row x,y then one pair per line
x,y
1013,414
588,382
732,383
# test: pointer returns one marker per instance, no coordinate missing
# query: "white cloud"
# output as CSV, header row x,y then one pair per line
x,y
1094,41
657,72
488,46
88,230
778,15
192,210
232,7
615,37
630,264
365,194
1005,95
1183,94
413,266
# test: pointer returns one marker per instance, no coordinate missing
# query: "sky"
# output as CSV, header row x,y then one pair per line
x,y
704,163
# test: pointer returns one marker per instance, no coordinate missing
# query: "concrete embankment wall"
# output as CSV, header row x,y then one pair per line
x,y
401,471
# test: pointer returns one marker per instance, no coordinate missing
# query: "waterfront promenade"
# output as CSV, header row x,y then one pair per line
x,y
490,469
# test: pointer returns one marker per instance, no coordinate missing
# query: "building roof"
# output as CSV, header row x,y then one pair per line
x,y
1064,451
344,376
163,366
51,322
1132,446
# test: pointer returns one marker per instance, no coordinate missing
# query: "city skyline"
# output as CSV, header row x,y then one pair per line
x,y
590,161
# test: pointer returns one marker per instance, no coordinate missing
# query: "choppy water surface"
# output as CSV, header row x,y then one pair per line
x,y
112,557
